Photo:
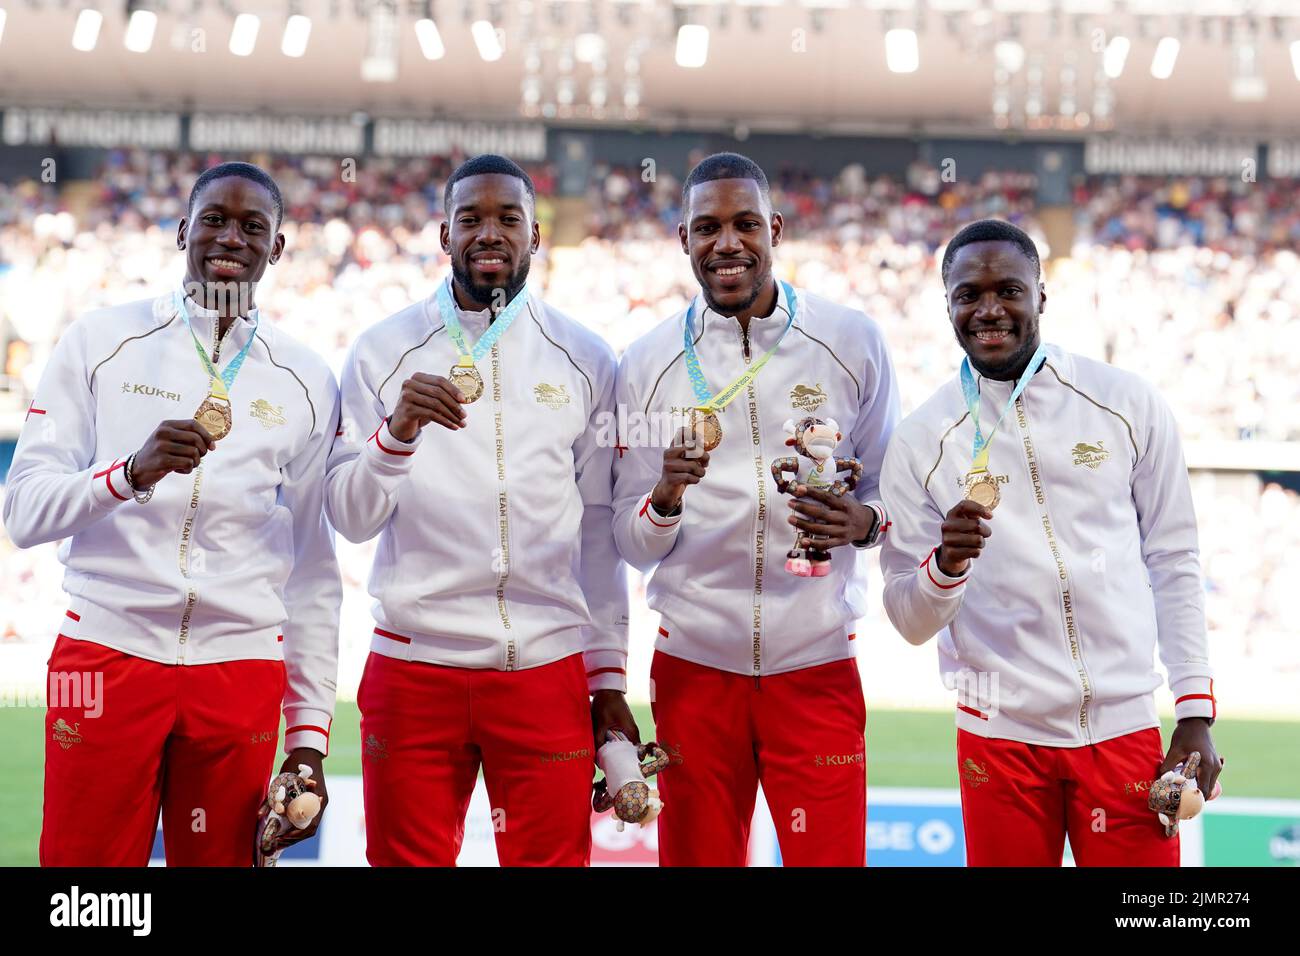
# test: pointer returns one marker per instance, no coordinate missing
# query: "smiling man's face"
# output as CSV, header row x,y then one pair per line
x,y
229,237
490,235
729,237
994,300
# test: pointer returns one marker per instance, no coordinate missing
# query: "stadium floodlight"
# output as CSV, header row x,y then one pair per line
x,y
297,29
487,41
1010,55
1162,64
1112,61
1295,57
901,53
692,45
243,36
86,33
139,30
426,31
588,47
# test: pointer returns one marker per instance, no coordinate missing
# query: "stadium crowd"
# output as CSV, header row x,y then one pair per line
x,y
1194,283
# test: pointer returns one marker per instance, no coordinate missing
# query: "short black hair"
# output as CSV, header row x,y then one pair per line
x,y
244,171
482,165
725,166
991,230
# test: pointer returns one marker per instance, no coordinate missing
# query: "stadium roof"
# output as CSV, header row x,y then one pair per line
x,y
771,64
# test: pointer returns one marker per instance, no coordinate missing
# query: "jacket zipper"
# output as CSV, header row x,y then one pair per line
x,y
511,661
186,546
1072,636
760,514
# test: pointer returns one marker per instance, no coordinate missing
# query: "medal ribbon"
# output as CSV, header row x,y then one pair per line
x,y
469,358
221,381
980,452
711,403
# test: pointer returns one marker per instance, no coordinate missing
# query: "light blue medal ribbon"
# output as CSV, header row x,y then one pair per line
x,y
221,381
705,400
980,452
497,328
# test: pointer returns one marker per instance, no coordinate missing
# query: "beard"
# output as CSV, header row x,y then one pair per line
x,y
749,300
488,295
1016,361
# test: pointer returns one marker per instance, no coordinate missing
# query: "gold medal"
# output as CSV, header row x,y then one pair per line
x,y
468,380
706,429
214,416
982,489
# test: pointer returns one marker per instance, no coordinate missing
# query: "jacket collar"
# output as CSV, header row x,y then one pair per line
x,y
205,321
699,311
1057,356
474,321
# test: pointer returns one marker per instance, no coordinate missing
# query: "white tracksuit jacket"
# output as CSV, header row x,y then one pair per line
x,y
721,588
1092,562
234,561
495,548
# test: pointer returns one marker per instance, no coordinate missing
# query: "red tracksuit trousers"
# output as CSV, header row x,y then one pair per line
x,y
197,741
426,728
1019,801
799,734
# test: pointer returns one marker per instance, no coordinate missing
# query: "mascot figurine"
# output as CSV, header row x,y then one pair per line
x,y
1176,796
624,787
815,467
289,804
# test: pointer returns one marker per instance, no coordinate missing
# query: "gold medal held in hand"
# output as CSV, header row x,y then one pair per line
x,y
214,413
214,416
468,380
982,489
706,429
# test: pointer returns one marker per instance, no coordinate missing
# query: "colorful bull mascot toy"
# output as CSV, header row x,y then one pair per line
x,y
624,787
1176,796
815,466
290,804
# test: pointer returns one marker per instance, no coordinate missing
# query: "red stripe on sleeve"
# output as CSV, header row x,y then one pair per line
x,y
972,711
74,615
391,451
606,670
645,510
663,631
108,477
320,730
947,587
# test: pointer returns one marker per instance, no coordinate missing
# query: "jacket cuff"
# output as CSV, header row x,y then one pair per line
x,y
937,584
389,454
307,727
108,483
652,522
877,534
606,670
1194,697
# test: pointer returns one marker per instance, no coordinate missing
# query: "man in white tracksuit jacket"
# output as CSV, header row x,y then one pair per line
x,y
500,599
197,608
1050,604
754,677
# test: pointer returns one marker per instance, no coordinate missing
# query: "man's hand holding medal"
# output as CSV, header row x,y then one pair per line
x,y
963,537
425,399
685,461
